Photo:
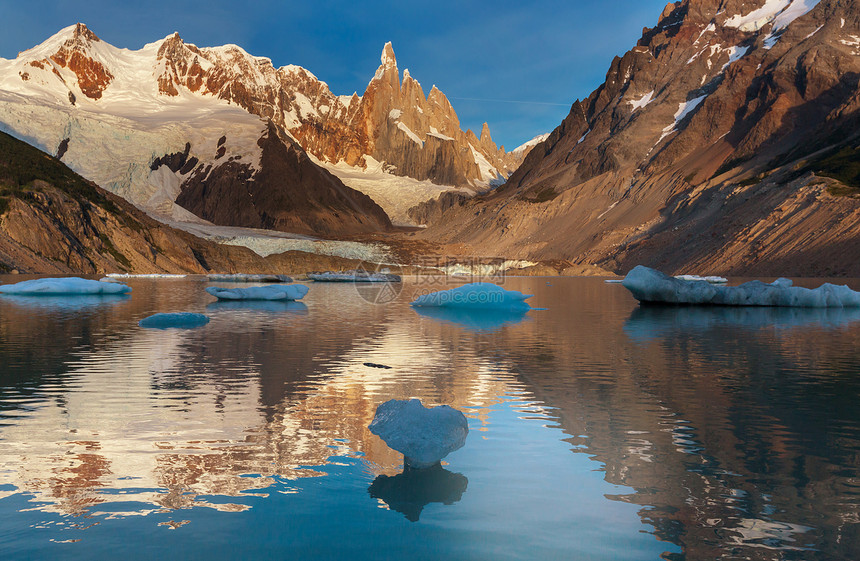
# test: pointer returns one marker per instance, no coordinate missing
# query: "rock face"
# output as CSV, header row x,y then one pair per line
x,y
54,221
706,148
276,196
416,135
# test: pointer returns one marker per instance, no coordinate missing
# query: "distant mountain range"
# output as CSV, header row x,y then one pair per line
x,y
725,141
190,133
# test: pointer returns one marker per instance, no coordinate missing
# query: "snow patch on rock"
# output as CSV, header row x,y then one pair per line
x,y
641,102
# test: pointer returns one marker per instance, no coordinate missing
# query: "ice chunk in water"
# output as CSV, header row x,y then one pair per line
x,y
423,435
181,320
481,295
63,287
648,285
271,292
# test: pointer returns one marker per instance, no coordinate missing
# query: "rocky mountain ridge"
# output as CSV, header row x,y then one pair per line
x,y
393,122
714,144
103,112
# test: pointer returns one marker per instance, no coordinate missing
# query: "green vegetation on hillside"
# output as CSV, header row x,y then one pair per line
x,y
544,195
21,165
844,166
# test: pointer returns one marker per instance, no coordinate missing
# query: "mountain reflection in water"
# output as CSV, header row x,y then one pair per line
x,y
730,434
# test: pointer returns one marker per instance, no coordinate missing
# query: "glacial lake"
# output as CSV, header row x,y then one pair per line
x,y
599,429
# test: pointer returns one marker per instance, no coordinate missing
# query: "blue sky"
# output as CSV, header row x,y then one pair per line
x,y
516,65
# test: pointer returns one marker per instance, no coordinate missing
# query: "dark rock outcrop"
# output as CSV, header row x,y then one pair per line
x,y
289,193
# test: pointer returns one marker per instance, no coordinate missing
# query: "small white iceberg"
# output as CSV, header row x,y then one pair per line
x,y
72,286
476,295
650,286
353,276
710,279
423,435
243,277
180,320
272,292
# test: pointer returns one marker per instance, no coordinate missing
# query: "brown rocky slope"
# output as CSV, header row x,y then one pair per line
x,y
54,221
724,142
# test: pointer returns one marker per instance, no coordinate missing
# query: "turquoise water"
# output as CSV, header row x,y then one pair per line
x,y
599,429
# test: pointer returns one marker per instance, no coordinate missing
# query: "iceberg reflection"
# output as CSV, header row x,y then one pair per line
x,y
65,303
651,322
474,319
413,489
270,306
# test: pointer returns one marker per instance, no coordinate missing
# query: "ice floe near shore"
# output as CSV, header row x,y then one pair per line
x,y
476,295
423,435
180,320
353,276
272,292
651,286
144,276
72,286
242,277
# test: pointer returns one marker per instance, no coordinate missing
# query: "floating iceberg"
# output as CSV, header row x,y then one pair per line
x,y
476,295
475,319
409,492
242,277
648,285
144,276
72,286
353,276
424,436
272,292
181,320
